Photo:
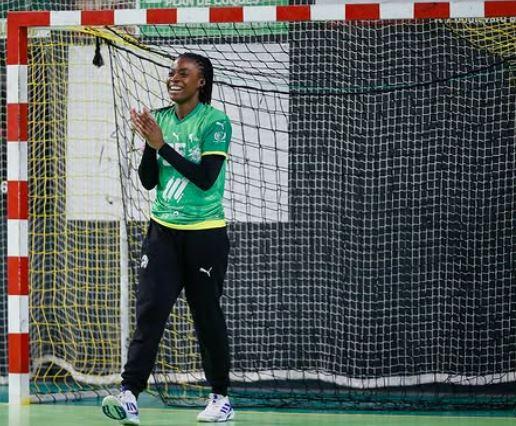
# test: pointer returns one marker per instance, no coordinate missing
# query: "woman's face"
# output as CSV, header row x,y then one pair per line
x,y
184,80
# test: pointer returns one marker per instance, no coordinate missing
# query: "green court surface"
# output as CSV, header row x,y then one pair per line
x,y
71,415
153,413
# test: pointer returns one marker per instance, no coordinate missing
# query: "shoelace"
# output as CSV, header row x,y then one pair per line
x,y
212,400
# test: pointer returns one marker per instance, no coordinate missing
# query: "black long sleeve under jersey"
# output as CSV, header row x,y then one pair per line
x,y
203,175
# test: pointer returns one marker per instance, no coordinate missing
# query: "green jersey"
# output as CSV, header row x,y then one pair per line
x,y
179,203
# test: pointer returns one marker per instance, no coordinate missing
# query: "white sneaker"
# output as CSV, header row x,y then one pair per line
x,y
219,409
123,408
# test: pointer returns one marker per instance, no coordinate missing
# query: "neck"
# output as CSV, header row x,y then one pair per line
x,y
185,108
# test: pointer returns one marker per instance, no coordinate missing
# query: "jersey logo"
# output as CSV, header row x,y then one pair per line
x,y
175,143
194,154
175,188
206,271
220,134
192,137
179,147
145,261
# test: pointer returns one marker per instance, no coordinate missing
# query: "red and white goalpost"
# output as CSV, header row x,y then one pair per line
x,y
18,25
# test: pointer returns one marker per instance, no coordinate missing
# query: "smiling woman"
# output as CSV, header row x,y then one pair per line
x,y
191,74
186,245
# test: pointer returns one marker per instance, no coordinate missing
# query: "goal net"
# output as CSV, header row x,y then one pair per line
x,y
370,201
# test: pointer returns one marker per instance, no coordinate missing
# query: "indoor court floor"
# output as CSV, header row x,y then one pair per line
x,y
153,413
70,415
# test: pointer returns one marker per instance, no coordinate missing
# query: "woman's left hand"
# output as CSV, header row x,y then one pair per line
x,y
147,128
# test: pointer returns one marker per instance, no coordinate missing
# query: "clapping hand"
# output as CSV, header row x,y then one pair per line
x,y
147,128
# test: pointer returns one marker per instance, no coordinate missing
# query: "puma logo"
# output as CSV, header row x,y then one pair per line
x,y
206,271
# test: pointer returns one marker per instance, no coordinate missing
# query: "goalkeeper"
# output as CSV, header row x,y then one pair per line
x,y
186,245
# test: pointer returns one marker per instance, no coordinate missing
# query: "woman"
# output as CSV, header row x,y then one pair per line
x,y
186,243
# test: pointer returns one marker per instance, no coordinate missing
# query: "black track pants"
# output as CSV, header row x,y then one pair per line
x,y
173,259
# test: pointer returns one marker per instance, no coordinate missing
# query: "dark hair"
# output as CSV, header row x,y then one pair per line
x,y
206,69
